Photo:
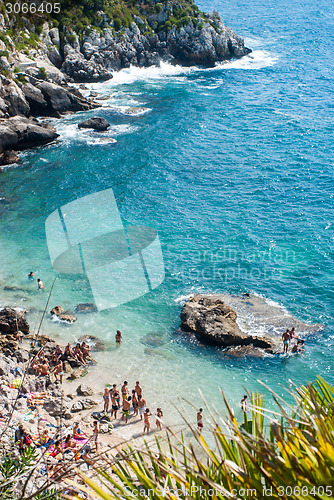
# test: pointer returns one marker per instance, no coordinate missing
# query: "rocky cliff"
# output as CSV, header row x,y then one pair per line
x,y
62,54
40,55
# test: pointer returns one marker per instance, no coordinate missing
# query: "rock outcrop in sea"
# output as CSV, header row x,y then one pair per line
x,y
215,322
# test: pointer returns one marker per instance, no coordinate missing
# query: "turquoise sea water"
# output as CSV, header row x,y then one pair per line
x,y
234,168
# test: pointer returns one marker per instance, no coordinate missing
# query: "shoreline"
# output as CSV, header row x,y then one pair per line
x,y
36,418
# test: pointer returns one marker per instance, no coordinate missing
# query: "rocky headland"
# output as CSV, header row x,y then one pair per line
x,y
40,56
213,320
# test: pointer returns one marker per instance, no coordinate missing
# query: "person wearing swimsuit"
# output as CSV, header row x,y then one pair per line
x,y
106,399
200,420
286,338
114,404
135,403
158,421
147,424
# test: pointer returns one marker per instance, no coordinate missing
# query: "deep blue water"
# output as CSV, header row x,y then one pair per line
x,y
234,168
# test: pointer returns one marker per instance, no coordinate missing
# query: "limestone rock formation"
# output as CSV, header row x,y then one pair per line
x,y
215,322
96,123
62,99
84,390
12,321
21,133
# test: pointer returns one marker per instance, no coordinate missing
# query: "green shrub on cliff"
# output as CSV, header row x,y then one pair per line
x,y
70,38
43,73
117,23
85,15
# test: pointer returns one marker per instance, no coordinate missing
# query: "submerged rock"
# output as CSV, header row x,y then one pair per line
x,y
80,372
85,308
153,340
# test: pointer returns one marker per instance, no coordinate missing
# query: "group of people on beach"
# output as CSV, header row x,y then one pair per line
x,y
56,447
290,336
124,399
79,355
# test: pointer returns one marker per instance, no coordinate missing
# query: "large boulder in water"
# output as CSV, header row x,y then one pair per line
x,y
215,322
22,133
96,123
57,310
12,320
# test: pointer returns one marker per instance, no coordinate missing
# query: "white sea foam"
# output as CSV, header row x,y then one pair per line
x,y
134,73
183,299
102,141
255,60
69,133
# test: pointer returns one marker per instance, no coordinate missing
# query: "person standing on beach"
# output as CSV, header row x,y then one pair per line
x,y
125,390
118,337
106,399
59,372
200,420
135,403
142,406
286,338
138,389
96,434
126,409
114,404
158,421
147,424
114,391
40,284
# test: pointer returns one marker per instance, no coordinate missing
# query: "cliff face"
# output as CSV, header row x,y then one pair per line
x,y
101,53
40,55
59,51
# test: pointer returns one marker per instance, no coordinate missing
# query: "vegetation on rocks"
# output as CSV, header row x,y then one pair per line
x,y
24,30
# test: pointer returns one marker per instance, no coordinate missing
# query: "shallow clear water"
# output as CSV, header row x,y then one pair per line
x,y
234,168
